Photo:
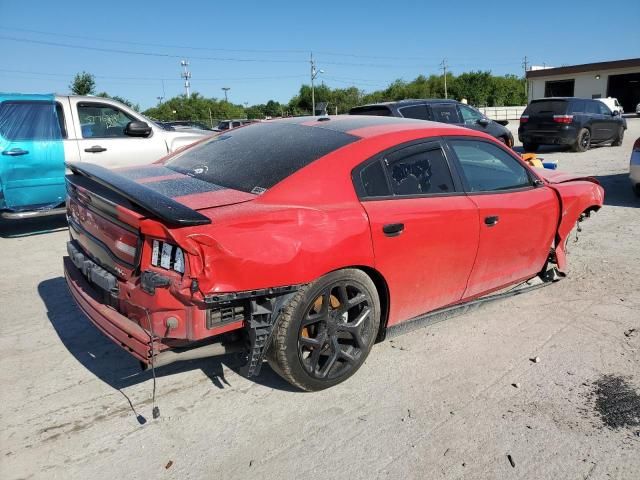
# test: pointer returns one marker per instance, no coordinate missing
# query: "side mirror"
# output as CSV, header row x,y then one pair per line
x,y
483,121
615,113
137,129
504,123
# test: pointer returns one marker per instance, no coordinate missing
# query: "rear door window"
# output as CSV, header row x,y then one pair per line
x,y
488,168
419,112
578,106
29,120
445,112
419,171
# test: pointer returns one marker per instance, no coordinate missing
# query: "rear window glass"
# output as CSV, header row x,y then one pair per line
x,y
29,120
256,157
379,111
554,107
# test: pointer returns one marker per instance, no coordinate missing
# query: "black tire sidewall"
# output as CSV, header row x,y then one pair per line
x,y
578,146
294,320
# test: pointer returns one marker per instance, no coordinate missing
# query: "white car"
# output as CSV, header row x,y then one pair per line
x,y
613,104
634,167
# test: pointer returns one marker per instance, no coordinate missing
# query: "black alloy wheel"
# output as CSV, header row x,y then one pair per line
x,y
327,330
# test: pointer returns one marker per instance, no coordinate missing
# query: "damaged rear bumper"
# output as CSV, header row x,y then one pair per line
x,y
121,330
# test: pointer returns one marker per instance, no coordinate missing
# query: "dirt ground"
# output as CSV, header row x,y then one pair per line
x,y
459,399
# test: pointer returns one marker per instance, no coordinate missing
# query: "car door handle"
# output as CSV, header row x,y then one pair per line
x,y
15,152
491,221
95,149
393,229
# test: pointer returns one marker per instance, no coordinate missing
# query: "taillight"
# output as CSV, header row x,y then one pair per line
x,y
524,118
563,118
636,145
167,256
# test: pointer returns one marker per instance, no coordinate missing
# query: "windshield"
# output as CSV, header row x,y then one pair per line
x,y
256,157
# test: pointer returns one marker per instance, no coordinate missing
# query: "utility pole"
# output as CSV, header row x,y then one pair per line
x,y
226,89
186,74
444,66
314,74
160,100
525,65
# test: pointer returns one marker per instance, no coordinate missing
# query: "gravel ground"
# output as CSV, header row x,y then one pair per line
x,y
459,399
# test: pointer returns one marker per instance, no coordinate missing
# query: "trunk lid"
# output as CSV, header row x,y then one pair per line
x,y
105,209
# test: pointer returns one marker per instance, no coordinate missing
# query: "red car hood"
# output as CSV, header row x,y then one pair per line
x,y
552,176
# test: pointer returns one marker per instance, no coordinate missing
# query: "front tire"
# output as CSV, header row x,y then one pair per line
x,y
583,141
326,331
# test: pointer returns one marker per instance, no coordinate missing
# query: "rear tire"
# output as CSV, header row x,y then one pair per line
x,y
326,331
618,140
583,141
530,147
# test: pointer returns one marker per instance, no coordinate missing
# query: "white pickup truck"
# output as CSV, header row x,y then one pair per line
x,y
39,133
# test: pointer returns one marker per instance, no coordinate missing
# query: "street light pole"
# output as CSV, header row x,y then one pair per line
x,y
226,89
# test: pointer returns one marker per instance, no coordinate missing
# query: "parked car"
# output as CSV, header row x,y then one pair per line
x,y
229,124
333,233
186,125
445,111
38,133
634,167
613,104
575,122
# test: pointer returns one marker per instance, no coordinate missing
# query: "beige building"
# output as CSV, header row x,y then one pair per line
x,y
618,78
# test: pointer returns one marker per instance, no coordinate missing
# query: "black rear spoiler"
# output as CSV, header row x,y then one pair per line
x,y
161,206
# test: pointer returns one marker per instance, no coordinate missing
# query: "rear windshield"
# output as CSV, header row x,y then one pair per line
x,y
256,157
377,110
554,107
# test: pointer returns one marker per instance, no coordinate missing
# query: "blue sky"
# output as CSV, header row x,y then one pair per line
x,y
261,49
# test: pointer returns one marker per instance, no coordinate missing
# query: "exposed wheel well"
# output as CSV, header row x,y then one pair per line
x,y
383,294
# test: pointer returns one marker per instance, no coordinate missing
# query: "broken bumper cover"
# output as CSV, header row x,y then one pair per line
x,y
120,329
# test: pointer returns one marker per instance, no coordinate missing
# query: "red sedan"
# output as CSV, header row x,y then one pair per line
x,y
303,241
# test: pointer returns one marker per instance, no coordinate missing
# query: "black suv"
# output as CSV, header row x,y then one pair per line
x,y
577,122
445,111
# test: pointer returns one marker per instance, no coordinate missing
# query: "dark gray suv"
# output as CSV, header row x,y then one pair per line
x,y
438,110
575,122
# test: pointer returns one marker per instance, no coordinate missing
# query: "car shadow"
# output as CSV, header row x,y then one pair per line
x,y
113,365
542,149
32,226
618,191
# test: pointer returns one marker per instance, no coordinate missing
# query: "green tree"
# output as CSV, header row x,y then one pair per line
x,y
83,84
117,98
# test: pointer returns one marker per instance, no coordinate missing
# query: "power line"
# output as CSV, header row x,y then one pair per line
x,y
176,56
221,79
211,49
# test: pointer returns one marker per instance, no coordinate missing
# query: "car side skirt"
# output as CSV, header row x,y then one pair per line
x,y
440,315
